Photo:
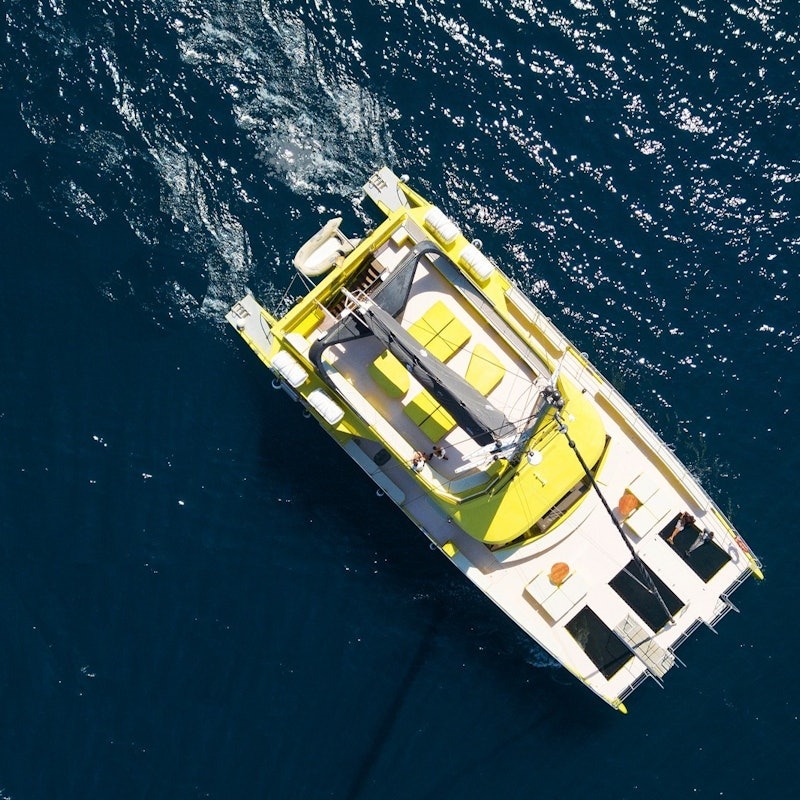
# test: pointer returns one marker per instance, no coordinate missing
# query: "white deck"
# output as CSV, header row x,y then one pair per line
x,y
586,539
590,544
516,579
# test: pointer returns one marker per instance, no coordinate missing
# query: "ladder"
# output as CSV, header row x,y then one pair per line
x,y
639,641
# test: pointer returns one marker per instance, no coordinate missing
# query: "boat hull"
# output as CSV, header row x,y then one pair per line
x,y
583,489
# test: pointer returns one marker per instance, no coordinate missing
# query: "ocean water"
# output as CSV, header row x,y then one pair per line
x,y
200,596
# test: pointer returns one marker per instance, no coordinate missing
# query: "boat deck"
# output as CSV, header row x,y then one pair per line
x,y
604,604
604,591
515,392
602,621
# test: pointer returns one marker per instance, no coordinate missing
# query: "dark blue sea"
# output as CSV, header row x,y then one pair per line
x,y
200,596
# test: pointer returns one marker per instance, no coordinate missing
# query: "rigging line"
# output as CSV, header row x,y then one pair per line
x,y
307,282
634,578
288,289
514,422
642,568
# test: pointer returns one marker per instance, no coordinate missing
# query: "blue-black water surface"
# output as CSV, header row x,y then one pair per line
x,y
202,597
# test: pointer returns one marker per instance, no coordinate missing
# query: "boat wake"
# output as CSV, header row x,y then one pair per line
x,y
179,103
538,658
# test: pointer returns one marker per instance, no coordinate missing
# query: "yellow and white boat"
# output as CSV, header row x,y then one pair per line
x,y
501,442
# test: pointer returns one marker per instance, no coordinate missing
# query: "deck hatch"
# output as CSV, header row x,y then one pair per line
x,y
630,586
604,648
705,561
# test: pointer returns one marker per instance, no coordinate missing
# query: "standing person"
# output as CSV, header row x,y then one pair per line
x,y
440,452
418,461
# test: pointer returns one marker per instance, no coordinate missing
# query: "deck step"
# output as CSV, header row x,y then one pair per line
x,y
657,659
365,282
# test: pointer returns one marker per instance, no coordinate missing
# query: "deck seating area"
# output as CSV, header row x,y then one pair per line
x,y
557,599
484,371
650,511
439,332
443,335
429,416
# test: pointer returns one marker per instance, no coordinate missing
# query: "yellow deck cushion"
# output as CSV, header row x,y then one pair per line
x,y
439,332
434,320
438,316
484,371
390,374
438,425
420,407
425,412
449,340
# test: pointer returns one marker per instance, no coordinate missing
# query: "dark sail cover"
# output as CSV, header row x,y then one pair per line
x,y
392,293
468,407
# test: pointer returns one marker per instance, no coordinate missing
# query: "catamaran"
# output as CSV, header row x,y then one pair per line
x,y
501,442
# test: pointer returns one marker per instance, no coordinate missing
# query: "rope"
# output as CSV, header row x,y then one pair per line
x,y
288,289
645,573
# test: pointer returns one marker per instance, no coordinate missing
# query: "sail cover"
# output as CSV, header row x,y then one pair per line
x,y
469,408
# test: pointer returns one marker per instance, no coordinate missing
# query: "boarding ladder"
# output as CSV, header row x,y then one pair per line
x,y
657,659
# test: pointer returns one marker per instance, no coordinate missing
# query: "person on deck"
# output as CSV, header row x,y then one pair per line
x,y
684,519
440,452
705,536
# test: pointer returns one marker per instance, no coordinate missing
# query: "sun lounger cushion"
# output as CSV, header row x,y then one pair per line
x,y
425,412
484,371
390,375
449,340
439,332
435,319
